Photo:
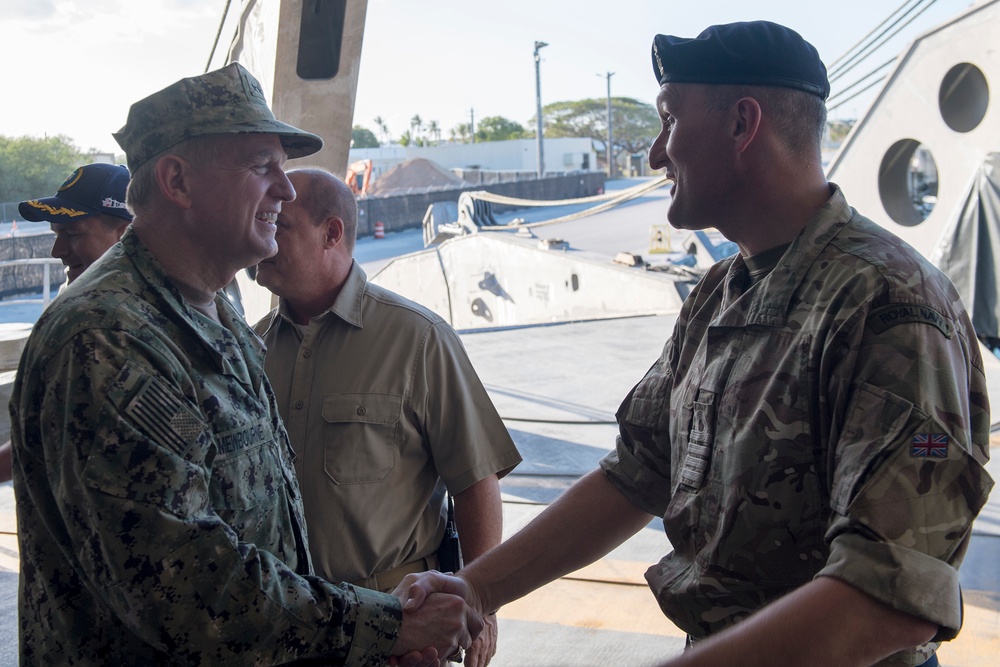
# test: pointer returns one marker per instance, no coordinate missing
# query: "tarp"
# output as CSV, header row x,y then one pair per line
x,y
970,251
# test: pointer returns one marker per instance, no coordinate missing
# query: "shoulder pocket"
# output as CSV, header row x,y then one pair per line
x,y
153,449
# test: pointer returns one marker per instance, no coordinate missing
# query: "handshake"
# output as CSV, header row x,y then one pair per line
x,y
441,617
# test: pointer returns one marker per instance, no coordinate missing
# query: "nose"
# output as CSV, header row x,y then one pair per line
x,y
60,247
657,150
283,188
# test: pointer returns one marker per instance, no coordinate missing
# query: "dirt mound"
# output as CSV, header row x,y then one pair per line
x,y
418,173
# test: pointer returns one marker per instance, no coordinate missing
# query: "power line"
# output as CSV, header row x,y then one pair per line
x,y
833,66
841,93
218,33
865,53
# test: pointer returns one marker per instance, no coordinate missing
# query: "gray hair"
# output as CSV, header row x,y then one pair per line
x,y
142,187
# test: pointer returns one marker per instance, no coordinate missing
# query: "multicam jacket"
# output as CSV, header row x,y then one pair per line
x,y
160,521
831,419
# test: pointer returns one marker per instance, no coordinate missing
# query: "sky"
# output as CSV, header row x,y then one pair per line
x,y
73,67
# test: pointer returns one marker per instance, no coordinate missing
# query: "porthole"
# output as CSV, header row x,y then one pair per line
x,y
963,97
908,182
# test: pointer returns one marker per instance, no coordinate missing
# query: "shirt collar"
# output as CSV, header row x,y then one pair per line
x,y
348,304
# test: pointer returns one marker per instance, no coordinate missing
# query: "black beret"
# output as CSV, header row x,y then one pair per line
x,y
755,53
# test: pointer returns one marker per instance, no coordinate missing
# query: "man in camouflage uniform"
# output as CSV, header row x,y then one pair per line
x,y
815,432
160,519
87,216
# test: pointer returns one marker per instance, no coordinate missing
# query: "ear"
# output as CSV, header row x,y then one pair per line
x,y
173,174
747,121
334,231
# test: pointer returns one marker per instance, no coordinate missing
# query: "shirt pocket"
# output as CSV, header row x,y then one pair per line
x,y
359,436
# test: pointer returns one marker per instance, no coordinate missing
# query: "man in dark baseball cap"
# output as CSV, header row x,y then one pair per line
x,y
157,499
87,214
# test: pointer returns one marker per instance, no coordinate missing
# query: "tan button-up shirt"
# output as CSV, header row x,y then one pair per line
x,y
382,405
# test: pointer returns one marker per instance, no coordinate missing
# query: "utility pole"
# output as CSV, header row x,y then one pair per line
x,y
608,151
538,103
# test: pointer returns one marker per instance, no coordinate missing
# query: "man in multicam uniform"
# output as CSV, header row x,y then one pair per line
x,y
160,519
815,431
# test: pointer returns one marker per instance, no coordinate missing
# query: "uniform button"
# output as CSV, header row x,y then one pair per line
x,y
362,410
299,404
307,353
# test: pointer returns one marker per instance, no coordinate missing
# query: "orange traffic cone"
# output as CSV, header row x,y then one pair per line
x,y
379,230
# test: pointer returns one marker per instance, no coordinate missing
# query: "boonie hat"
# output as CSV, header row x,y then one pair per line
x,y
226,101
92,189
755,53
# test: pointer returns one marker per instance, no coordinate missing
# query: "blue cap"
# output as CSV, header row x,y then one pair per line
x,y
92,189
754,53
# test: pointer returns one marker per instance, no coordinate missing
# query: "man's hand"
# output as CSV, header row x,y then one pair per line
x,y
438,620
414,589
485,646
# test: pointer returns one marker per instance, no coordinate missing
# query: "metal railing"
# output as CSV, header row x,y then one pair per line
x,y
46,262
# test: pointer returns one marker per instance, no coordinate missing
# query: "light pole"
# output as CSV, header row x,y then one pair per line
x,y
608,152
538,103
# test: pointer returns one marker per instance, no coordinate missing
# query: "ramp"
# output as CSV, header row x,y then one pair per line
x,y
492,281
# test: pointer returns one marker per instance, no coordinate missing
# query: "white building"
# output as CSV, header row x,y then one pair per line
x,y
519,155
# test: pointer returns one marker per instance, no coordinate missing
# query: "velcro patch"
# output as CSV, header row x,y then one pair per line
x,y
886,317
929,445
164,417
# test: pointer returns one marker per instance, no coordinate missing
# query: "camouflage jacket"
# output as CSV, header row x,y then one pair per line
x,y
159,516
832,419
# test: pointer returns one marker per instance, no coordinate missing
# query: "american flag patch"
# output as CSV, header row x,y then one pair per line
x,y
932,445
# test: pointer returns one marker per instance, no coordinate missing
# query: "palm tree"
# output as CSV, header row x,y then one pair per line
x,y
434,130
417,124
461,132
383,129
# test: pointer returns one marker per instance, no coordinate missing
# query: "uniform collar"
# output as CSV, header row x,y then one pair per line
x,y
770,300
220,343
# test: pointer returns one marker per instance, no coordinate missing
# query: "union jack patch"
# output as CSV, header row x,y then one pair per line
x,y
930,445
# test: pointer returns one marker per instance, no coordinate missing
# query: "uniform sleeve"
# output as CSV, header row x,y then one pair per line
x,y
911,432
134,484
639,466
467,437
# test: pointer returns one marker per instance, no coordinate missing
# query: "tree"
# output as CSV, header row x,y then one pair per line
x,y
434,130
31,167
460,133
362,137
405,139
383,128
498,128
839,129
417,125
634,124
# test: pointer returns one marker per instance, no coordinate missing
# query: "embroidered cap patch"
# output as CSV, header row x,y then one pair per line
x,y
930,445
